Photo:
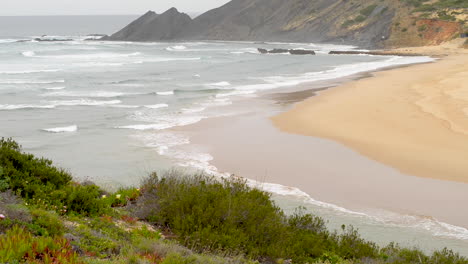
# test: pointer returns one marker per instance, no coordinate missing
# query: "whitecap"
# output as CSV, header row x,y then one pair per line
x,y
31,81
157,106
56,88
28,53
176,48
88,56
29,71
172,59
220,84
84,102
165,93
25,106
94,94
72,128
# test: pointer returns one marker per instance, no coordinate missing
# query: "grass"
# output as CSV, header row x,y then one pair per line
x,y
176,218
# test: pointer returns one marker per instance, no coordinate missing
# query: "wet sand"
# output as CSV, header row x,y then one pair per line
x,y
250,146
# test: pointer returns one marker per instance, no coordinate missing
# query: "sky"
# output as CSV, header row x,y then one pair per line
x,y
102,7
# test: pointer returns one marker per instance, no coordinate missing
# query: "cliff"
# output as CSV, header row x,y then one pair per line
x,y
366,23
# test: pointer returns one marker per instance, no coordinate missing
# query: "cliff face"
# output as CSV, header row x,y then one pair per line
x,y
366,23
294,20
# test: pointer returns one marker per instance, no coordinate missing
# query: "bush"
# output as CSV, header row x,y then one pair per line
x,y
49,221
226,215
27,175
44,185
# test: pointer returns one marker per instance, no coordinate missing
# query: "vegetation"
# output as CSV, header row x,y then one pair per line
x,y
176,218
363,15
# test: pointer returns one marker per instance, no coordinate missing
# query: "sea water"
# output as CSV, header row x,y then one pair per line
x,y
108,111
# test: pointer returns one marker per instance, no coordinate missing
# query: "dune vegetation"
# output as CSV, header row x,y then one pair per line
x,y
47,217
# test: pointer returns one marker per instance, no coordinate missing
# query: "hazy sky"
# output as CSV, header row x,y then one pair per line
x,y
101,7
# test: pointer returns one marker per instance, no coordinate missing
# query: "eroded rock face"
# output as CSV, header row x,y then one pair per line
x,y
269,20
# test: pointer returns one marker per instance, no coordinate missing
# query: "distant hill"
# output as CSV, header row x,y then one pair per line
x,y
366,23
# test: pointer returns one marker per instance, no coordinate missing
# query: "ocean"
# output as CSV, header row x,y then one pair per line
x,y
110,111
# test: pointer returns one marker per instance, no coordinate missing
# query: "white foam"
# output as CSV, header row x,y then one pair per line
x,y
84,102
24,106
246,51
172,59
165,93
8,41
125,106
72,128
94,94
99,64
28,53
216,102
176,48
236,93
157,106
161,122
29,71
274,82
85,56
193,110
31,81
220,84
196,75
56,88
163,141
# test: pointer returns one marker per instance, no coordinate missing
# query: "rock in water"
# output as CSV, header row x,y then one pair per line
x,y
290,51
301,52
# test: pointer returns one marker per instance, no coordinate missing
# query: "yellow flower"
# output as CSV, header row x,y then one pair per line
x,y
117,196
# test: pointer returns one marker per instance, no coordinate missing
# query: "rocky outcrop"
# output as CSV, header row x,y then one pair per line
x,y
290,51
154,27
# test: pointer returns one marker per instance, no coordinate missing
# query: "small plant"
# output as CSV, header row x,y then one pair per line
x,y
18,245
422,28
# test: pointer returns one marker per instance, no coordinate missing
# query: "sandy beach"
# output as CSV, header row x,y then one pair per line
x,y
414,119
319,148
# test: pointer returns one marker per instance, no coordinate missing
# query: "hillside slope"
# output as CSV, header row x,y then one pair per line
x,y
366,23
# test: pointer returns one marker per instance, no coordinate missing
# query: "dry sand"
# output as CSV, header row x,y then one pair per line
x,y
414,119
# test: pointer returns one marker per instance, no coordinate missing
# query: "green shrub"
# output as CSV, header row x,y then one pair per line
x,y
225,215
49,221
368,10
28,175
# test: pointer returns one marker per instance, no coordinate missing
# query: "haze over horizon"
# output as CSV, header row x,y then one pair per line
x,y
102,7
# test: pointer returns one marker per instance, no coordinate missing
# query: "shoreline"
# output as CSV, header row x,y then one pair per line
x,y
263,150
390,124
